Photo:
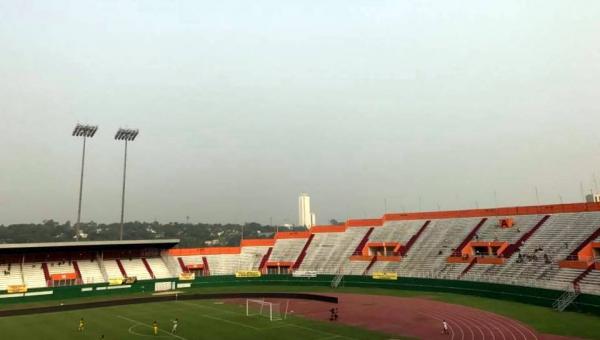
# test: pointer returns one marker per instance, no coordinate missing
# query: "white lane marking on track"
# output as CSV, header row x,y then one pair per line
x,y
511,324
528,330
470,322
458,324
519,325
466,324
491,318
506,329
487,324
476,321
452,332
496,326
143,324
507,326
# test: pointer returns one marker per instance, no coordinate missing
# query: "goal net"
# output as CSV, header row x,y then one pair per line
x,y
263,308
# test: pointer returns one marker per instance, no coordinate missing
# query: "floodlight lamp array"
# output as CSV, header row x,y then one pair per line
x,y
126,134
85,130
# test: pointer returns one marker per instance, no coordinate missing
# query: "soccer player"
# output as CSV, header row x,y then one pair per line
x,y
81,327
155,327
174,329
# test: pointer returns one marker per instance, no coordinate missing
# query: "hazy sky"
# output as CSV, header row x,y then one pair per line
x,y
242,105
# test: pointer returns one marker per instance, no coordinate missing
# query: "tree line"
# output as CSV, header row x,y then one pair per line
x,y
190,234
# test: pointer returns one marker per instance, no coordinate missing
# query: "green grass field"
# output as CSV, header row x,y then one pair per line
x,y
197,320
225,321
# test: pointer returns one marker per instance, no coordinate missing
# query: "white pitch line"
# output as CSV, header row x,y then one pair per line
x,y
211,308
131,331
231,322
220,319
143,324
329,335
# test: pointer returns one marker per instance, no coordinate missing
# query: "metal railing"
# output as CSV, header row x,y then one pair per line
x,y
569,295
339,275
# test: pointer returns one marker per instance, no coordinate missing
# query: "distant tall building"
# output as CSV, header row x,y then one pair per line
x,y
305,218
592,198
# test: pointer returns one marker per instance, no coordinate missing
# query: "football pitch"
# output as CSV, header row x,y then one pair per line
x,y
198,319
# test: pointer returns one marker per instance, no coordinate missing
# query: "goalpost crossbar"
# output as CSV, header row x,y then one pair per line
x,y
263,308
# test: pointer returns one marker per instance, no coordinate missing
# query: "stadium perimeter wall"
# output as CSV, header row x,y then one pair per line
x,y
529,295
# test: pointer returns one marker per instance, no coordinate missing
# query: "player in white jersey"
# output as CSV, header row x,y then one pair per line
x,y
174,329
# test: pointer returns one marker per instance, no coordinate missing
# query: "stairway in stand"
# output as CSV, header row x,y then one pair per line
x,y
568,296
337,279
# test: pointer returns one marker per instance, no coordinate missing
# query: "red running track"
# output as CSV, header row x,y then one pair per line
x,y
420,318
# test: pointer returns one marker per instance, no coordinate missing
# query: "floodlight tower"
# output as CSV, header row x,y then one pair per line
x,y
85,131
127,135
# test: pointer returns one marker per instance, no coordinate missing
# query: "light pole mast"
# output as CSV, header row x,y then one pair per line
x,y
85,131
123,191
125,135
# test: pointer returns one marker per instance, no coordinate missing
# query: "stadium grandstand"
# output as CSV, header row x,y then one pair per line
x,y
553,246
41,265
547,256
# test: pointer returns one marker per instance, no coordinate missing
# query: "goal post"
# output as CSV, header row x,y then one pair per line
x,y
270,310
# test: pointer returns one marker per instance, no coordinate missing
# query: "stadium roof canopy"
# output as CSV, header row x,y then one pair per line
x,y
85,246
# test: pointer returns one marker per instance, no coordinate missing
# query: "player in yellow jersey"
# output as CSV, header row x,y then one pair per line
x,y
155,327
81,327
